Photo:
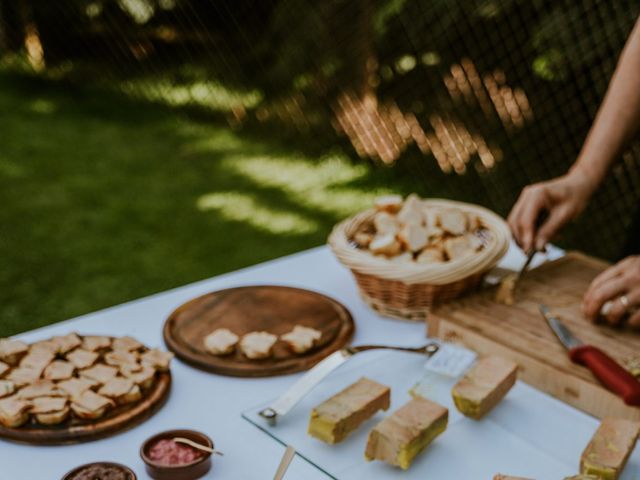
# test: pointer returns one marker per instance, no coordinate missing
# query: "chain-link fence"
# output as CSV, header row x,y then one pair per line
x,y
472,99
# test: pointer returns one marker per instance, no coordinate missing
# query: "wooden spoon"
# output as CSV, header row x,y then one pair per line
x,y
199,446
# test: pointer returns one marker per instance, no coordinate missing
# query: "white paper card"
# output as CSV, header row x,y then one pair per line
x,y
451,360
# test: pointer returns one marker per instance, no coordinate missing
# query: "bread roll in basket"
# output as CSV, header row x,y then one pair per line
x,y
397,285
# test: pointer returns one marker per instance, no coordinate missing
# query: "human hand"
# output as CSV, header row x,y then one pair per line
x,y
619,287
561,199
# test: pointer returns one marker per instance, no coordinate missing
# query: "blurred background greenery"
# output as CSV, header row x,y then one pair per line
x,y
145,144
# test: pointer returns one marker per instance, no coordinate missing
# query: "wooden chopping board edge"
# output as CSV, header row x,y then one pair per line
x,y
518,332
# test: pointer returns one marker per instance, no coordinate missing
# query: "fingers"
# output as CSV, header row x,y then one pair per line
x,y
620,309
523,216
610,273
596,297
513,224
634,320
557,219
514,221
614,295
528,221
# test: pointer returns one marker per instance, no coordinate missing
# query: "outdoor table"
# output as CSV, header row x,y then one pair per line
x,y
207,402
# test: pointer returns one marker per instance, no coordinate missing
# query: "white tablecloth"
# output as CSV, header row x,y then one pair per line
x,y
203,401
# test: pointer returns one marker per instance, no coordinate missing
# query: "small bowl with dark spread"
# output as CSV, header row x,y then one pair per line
x,y
166,459
101,471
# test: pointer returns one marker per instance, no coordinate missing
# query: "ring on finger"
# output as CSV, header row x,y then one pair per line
x,y
606,308
624,300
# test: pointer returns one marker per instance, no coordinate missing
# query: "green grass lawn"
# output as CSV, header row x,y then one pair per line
x,y
106,200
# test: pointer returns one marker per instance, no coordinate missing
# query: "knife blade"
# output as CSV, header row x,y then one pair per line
x,y
525,267
505,293
567,339
609,372
313,377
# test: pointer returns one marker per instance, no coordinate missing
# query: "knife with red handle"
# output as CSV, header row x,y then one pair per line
x,y
609,372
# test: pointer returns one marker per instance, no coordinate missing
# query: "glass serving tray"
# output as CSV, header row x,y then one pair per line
x,y
529,434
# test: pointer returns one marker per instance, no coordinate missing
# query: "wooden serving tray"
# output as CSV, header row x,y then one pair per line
x,y
519,332
78,431
275,309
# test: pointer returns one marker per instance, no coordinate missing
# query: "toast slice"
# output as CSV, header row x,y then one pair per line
x,y
385,244
37,359
7,387
100,373
388,203
129,368
452,221
66,343
144,378
411,211
430,255
22,376
157,359
221,341
126,343
301,339
121,390
50,410
14,411
121,357
82,358
4,369
75,387
41,388
11,351
59,370
94,343
258,345
91,406
414,237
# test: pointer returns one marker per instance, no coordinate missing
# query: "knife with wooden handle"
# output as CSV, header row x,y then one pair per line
x,y
609,372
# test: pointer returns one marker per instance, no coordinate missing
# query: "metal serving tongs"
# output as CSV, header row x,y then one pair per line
x,y
313,377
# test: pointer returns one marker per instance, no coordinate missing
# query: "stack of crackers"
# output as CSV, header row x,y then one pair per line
x,y
66,377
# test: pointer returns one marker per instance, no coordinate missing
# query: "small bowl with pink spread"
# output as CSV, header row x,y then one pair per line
x,y
166,459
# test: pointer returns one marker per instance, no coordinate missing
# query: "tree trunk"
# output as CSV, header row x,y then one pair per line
x,y
365,61
32,43
4,41
10,26
354,42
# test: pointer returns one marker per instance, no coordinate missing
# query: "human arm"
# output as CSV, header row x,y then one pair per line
x,y
564,198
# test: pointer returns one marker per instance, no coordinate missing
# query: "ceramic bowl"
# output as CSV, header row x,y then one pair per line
x,y
189,471
72,474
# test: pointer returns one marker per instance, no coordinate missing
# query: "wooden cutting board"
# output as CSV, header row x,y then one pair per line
x,y
271,308
520,332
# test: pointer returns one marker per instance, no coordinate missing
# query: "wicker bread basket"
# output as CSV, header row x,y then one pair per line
x,y
408,290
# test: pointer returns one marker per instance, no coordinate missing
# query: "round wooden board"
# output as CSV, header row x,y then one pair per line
x,y
79,431
270,308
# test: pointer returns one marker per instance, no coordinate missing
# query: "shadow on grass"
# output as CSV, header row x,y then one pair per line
x,y
106,199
